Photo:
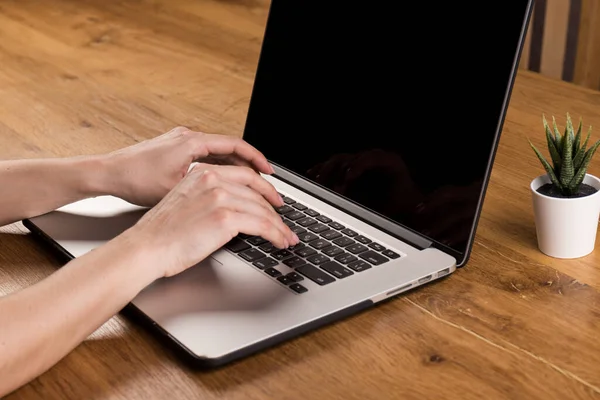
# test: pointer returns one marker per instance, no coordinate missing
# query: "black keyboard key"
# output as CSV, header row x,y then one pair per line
x,y
296,247
305,252
295,215
343,241
256,241
306,221
307,237
236,245
390,254
320,244
289,223
336,225
359,265
324,219
281,254
298,288
294,277
284,209
345,258
349,232
317,259
310,212
297,229
316,275
287,200
244,236
376,246
332,251
362,239
265,263
373,258
252,255
336,269
299,206
294,261
318,228
268,247
330,234
285,280
273,272
356,248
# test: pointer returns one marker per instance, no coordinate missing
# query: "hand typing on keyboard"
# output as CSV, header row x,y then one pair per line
x,y
327,249
199,210
209,207
144,173
220,197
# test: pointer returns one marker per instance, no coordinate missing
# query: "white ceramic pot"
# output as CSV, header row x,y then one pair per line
x,y
566,228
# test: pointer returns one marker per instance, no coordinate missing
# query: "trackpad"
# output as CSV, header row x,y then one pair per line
x,y
222,282
222,305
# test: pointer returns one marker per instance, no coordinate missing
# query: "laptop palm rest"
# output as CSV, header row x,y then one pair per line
x,y
221,284
213,307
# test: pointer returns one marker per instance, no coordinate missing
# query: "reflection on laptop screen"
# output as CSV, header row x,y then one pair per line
x,y
395,108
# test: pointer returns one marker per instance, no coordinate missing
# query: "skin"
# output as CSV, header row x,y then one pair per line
x,y
194,211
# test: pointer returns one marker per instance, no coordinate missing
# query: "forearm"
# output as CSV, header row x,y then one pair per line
x,y
34,187
41,324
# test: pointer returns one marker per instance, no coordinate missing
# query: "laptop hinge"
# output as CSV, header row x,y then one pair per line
x,y
351,208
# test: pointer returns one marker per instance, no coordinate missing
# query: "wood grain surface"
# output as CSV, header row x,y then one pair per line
x,y
90,76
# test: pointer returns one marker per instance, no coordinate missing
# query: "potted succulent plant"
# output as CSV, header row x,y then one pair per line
x,y
566,199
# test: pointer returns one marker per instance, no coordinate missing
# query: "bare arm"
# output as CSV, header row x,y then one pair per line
x,y
41,324
197,212
34,187
142,174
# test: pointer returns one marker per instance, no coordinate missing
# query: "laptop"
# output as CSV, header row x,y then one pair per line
x,y
382,128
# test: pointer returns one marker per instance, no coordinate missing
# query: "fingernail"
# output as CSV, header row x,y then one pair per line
x,y
272,169
280,199
286,244
296,238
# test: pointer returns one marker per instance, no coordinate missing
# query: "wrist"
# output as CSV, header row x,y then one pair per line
x,y
142,259
92,175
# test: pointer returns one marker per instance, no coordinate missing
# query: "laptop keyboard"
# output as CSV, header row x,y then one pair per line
x,y
328,250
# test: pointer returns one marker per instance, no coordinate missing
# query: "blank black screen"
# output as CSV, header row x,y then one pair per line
x,y
395,106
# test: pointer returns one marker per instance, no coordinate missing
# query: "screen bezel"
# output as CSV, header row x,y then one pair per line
x,y
379,221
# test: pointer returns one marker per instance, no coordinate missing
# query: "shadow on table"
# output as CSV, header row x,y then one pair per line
x,y
135,365
119,364
20,264
279,361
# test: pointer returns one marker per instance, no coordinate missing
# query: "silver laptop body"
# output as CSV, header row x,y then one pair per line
x,y
232,305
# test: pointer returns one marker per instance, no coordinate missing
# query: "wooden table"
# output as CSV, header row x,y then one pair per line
x,y
89,76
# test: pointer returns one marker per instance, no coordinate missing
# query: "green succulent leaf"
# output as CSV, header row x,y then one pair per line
x,y
547,167
569,127
578,178
547,129
581,152
569,154
557,136
554,153
578,136
567,171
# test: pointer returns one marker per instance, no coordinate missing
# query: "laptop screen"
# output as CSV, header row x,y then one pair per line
x,y
395,107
